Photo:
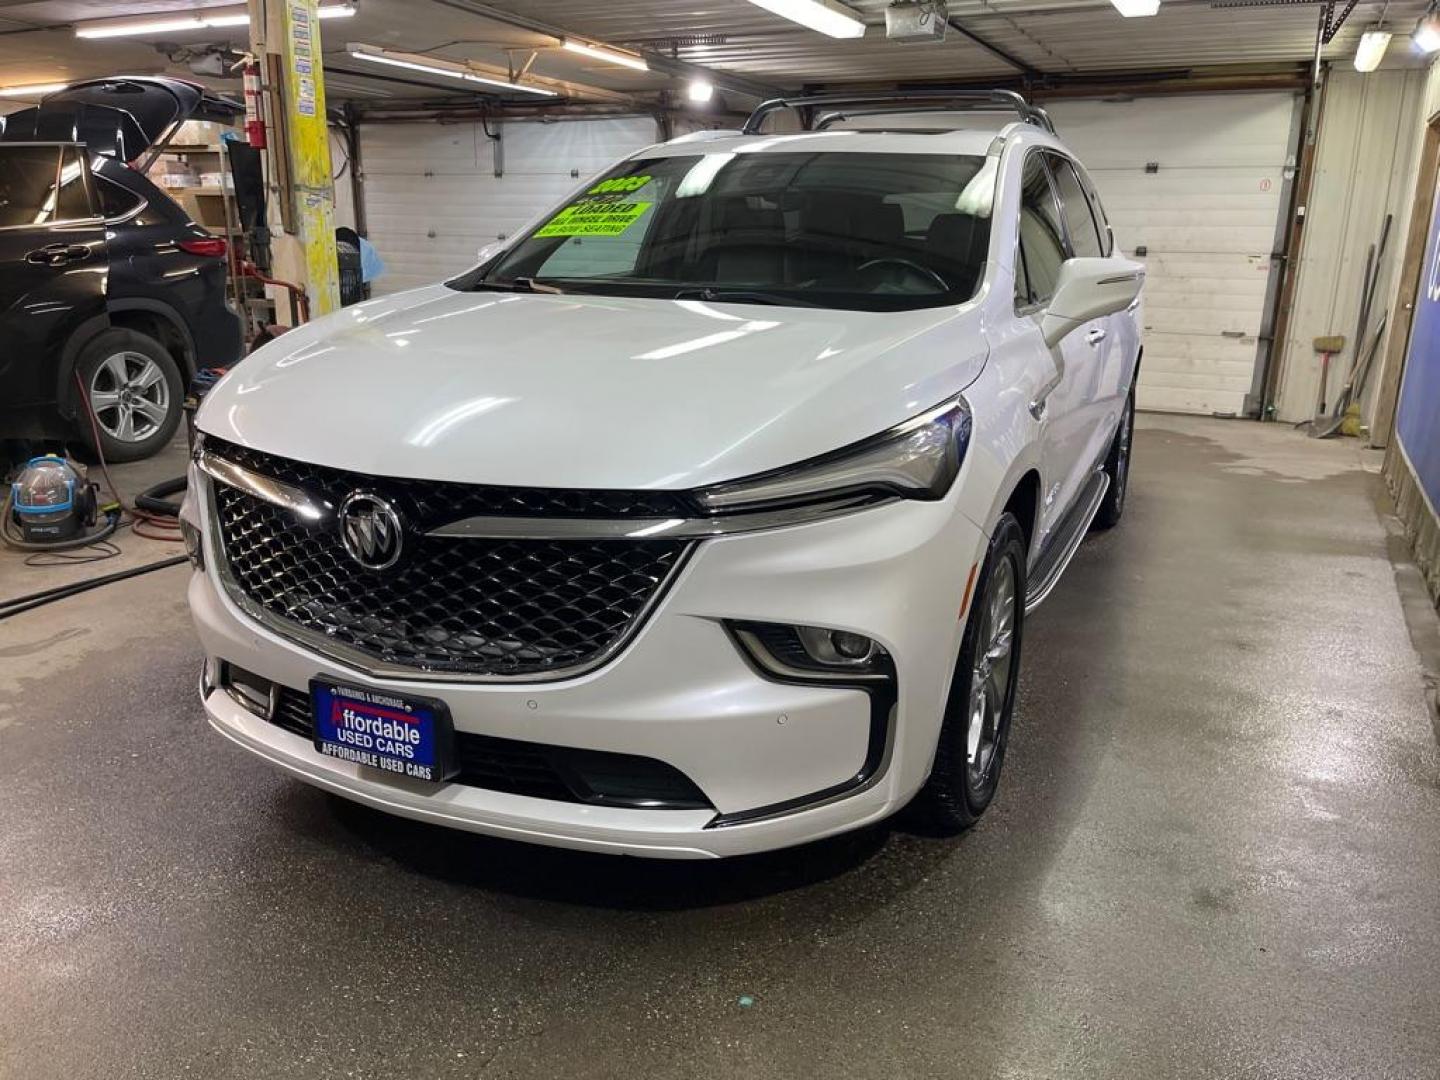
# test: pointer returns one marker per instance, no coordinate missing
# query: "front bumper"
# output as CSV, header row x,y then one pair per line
x,y
781,763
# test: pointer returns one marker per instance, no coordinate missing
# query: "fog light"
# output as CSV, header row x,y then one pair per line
x,y
838,648
852,646
814,653
194,546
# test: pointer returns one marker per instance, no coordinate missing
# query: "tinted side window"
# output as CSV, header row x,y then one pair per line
x,y
115,201
1042,243
1084,237
27,184
73,202
1106,242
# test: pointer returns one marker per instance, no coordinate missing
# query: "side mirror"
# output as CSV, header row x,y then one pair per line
x,y
489,251
1087,289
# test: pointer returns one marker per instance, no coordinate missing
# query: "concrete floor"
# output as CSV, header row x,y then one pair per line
x,y
1215,853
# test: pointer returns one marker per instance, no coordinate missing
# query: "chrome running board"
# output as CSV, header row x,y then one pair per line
x,y
1052,563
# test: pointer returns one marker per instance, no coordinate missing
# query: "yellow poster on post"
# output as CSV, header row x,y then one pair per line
x,y
309,148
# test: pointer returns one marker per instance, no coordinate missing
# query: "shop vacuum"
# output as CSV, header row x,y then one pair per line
x,y
51,506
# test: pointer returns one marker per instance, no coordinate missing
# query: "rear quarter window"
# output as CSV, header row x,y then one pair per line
x,y
115,201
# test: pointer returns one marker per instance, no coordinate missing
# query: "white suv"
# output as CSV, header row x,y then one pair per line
x,y
703,517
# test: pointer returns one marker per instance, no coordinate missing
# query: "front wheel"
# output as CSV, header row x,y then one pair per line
x,y
976,726
1117,467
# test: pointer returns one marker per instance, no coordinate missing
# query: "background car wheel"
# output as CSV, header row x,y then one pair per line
x,y
976,727
1117,465
135,391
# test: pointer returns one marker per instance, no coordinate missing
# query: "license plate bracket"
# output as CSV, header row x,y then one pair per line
x,y
398,734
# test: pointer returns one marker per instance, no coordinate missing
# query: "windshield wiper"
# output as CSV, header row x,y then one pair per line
x,y
519,284
741,296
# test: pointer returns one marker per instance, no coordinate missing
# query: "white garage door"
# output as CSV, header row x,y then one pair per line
x,y
432,197
1206,217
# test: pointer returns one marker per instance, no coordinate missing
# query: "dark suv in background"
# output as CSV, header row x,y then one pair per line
x,y
102,274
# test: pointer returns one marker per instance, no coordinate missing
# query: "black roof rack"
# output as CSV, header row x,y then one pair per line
x,y
914,100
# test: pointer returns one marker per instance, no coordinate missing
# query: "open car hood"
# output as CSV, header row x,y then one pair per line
x,y
121,117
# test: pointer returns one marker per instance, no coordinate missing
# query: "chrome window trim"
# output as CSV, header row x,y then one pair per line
x,y
365,665
69,223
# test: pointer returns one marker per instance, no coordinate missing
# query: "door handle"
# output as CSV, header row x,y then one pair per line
x,y
57,254
1095,335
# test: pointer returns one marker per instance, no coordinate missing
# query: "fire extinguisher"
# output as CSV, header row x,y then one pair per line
x,y
254,122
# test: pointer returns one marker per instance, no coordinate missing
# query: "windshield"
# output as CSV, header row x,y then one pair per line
x,y
866,231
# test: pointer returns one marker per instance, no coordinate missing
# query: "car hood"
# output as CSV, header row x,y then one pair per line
x,y
587,391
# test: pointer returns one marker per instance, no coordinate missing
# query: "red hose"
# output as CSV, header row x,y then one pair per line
x,y
297,294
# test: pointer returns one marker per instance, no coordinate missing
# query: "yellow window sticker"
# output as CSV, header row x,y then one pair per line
x,y
601,211
594,219
623,184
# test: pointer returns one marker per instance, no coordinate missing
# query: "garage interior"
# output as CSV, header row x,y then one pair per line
x,y
1214,850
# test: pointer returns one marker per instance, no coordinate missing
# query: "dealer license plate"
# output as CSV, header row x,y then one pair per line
x,y
400,735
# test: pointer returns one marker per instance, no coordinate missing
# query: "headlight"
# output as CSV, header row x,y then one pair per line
x,y
916,460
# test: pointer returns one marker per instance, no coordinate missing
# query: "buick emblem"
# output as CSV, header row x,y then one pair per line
x,y
370,530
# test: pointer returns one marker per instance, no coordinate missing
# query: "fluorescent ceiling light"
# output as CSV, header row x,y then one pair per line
x,y
127,27
610,56
34,90
700,90
1136,9
199,19
826,16
1371,49
443,68
1427,33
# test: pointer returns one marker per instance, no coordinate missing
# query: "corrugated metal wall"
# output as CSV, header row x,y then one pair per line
x,y
1364,167
1204,211
432,198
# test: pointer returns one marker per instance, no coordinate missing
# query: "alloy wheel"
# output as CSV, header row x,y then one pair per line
x,y
129,396
990,679
1122,453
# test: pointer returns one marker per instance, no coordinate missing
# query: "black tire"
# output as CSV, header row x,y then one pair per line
x,y
1117,467
153,411
958,791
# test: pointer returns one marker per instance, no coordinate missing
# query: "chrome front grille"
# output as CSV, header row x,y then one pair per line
x,y
468,606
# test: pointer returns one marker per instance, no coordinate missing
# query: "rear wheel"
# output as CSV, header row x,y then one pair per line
x,y
1117,467
976,726
134,391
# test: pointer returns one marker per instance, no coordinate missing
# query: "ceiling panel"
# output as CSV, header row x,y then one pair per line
x,y
1058,37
